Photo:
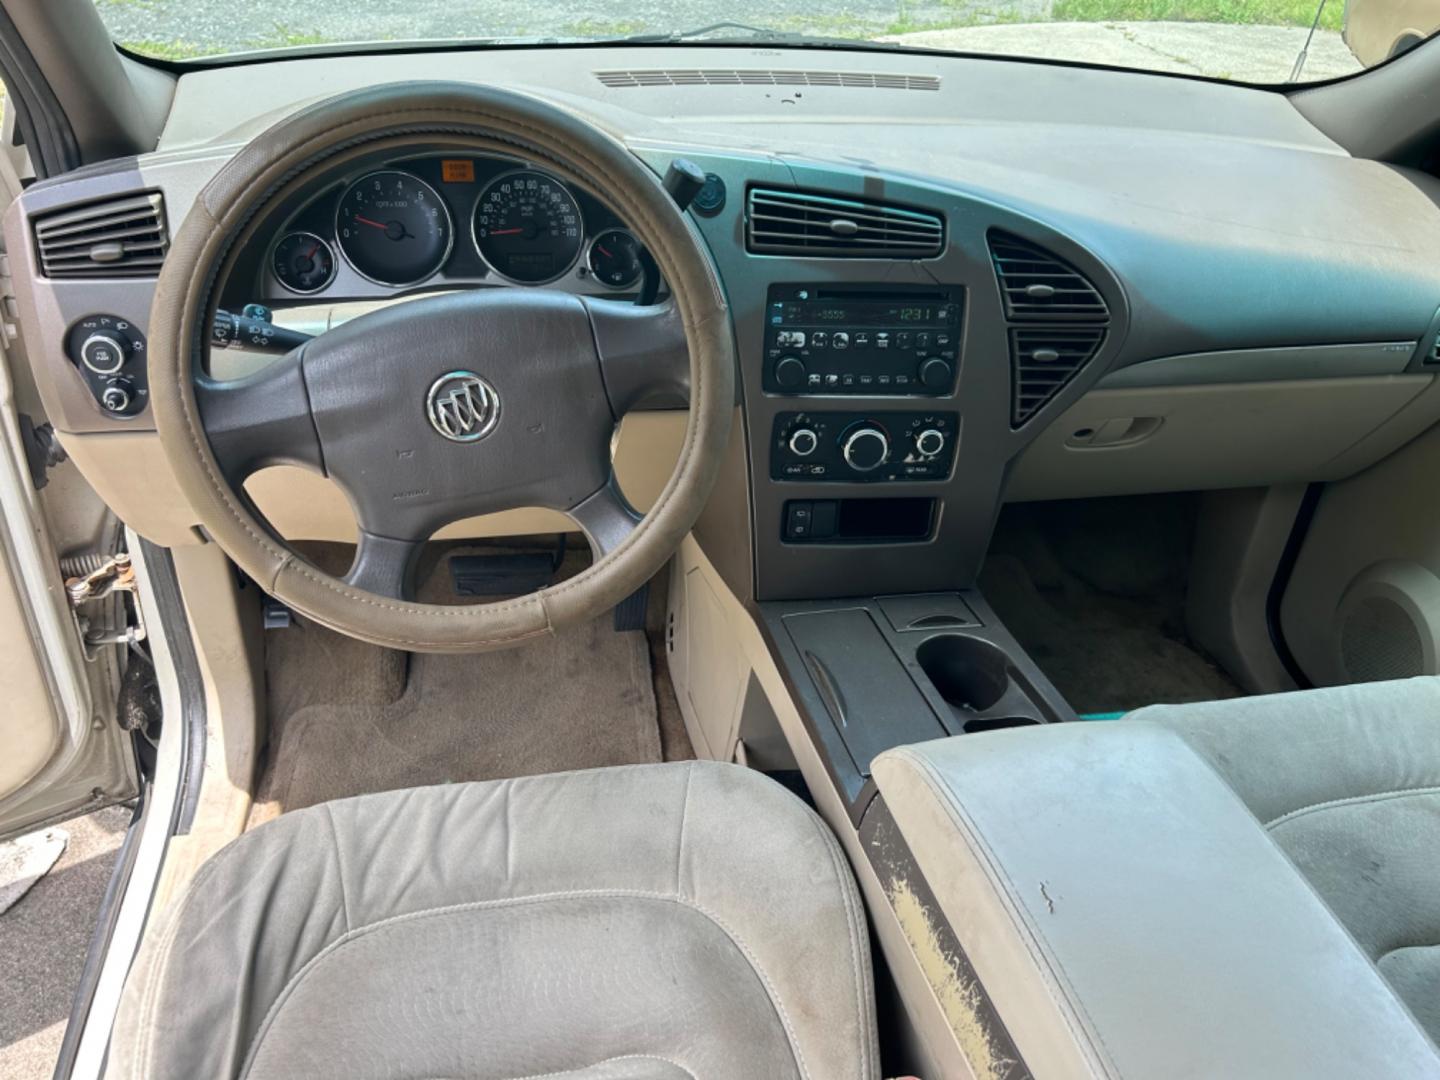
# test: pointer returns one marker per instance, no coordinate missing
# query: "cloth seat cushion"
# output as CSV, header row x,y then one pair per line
x,y
646,923
1346,780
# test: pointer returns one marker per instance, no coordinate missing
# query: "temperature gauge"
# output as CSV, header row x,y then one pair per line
x,y
303,262
615,259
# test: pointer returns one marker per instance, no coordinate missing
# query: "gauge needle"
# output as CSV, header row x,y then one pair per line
x,y
603,252
367,221
505,232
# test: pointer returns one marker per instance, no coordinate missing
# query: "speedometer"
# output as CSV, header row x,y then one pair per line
x,y
393,228
528,227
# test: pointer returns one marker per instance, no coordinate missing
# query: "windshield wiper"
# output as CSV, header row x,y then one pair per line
x,y
748,32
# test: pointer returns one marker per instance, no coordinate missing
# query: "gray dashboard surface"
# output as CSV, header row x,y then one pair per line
x,y
1233,221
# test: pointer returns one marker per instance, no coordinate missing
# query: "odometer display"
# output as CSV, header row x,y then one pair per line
x,y
528,227
393,228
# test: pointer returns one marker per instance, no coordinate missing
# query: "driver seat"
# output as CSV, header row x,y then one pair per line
x,y
651,922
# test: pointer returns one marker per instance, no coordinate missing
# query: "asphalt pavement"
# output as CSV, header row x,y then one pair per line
x,y
43,941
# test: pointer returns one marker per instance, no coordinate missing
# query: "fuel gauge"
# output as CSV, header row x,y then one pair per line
x,y
303,262
615,258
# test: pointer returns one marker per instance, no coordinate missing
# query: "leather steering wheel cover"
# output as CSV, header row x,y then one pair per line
x,y
498,120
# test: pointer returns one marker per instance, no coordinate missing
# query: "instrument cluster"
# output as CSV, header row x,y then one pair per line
x,y
443,220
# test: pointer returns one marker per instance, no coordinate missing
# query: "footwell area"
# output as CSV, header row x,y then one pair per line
x,y
349,718
1095,591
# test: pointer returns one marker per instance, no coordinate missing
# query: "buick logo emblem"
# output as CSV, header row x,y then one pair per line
x,y
462,406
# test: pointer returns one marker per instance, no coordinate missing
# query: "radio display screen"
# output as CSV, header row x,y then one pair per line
x,y
899,312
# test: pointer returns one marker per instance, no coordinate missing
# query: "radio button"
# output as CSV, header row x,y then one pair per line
x,y
789,372
936,374
902,339
819,339
840,340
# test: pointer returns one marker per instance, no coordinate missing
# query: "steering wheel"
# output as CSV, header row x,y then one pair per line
x,y
445,407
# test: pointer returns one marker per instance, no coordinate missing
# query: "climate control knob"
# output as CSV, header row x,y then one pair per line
x,y
803,442
930,442
936,373
103,352
789,372
865,448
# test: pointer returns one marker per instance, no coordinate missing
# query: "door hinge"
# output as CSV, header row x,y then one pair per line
x,y
90,580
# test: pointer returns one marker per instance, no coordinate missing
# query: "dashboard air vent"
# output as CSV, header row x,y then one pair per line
x,y
1038,285
806,223
1043,359
124,237
1433,356
862,80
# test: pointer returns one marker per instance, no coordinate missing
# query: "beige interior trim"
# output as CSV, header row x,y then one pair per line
x,y
1193,438
306,506
738,644
225,628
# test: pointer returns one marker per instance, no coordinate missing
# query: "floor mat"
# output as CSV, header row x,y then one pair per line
x,y
350,718
1095,593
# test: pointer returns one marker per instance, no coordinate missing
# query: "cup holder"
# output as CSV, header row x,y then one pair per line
x,y
971,674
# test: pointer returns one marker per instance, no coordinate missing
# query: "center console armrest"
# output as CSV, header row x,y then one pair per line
x,y
1126,915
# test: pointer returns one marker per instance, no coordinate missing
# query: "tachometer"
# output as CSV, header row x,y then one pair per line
x,y
528,227
303,262
393,228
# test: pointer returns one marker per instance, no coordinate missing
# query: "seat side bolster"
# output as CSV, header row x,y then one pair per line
x,y
1128,916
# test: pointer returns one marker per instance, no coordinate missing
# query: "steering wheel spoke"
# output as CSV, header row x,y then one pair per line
x,y
605,518
385,566
262,419
643,354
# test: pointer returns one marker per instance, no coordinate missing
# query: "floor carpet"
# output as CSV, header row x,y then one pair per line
x,y
1094,590
349,718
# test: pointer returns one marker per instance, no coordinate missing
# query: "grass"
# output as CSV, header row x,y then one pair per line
x,y
1234,12
279,37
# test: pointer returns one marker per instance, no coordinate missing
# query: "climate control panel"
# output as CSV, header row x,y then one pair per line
x,y
854,446
861,339
109,353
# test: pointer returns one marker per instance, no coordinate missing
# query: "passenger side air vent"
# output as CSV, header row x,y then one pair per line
x,y
1043,359
858,80
806,223
1433,356
1040,293
1038,285
123,237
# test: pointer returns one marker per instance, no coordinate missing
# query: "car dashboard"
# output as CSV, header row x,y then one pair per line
x,y
1050,282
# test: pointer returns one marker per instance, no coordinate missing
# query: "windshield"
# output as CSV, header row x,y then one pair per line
x,y
1265,41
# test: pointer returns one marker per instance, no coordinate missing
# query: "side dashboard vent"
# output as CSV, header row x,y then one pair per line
x,y
124,237
1038,285
806,223
1043,359
859,80
1433,356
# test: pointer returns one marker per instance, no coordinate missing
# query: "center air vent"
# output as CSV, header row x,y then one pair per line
x,y
859,80
1038,285
123,237
805,223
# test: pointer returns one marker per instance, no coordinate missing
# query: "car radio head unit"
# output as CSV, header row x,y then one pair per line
x,y
862,339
